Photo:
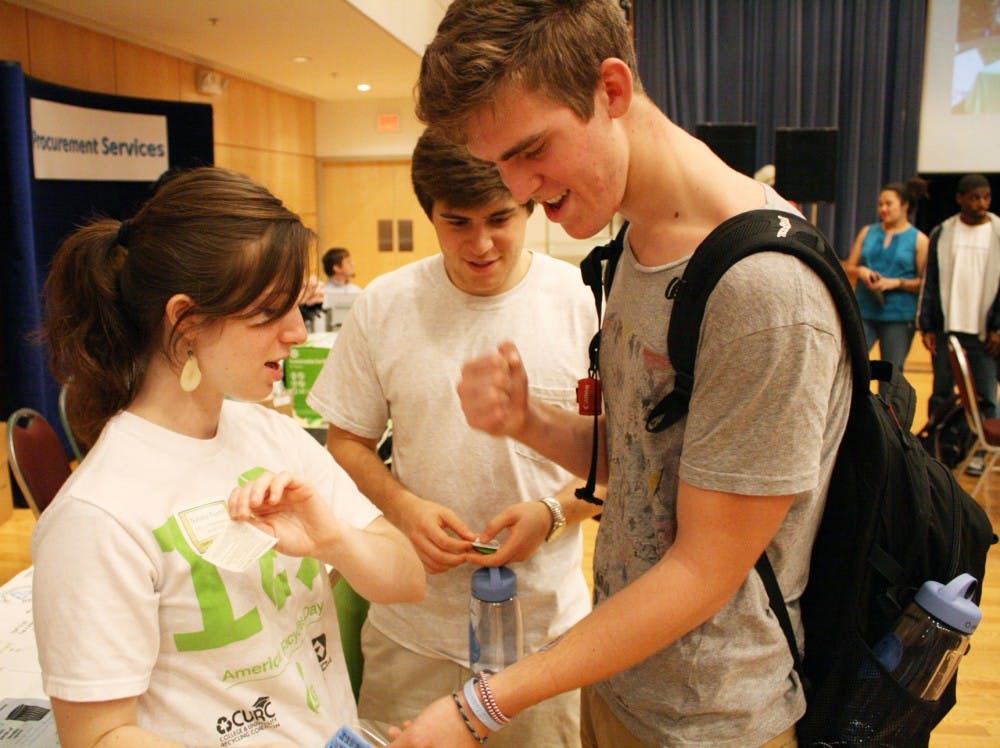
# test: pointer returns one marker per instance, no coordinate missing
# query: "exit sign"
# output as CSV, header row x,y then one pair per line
x,y
388,123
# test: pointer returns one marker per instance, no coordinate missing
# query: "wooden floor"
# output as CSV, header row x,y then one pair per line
x,y
973,723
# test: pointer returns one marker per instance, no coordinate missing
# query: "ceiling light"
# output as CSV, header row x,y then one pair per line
x,y
364,87
302,58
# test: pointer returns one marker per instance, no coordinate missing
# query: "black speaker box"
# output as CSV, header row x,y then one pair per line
x,y
735,143
805,163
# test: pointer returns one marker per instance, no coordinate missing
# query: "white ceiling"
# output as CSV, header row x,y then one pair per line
x,y
257,39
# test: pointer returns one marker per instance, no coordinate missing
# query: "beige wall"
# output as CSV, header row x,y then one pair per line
x,y
266,134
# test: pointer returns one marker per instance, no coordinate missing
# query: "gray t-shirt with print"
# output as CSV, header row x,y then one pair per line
x,y
770,403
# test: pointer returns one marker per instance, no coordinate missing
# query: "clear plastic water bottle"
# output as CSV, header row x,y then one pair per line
x,y
496,631
924,648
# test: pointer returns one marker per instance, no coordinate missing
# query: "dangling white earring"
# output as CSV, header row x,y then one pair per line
x,y
190,374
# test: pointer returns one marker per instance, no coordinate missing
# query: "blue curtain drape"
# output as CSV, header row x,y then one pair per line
x,y
852,64
20,305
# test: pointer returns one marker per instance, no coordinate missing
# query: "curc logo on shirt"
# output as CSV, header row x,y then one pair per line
x,y
247,721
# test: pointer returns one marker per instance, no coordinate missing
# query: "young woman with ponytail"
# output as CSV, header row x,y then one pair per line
x,y
169,325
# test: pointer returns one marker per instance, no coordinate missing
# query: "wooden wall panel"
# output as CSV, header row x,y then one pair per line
x,y
242,114
293,120
143,72
70,55
254,116
289,176
14,35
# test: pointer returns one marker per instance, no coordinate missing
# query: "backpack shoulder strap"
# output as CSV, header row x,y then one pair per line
x,y
598,267
745,234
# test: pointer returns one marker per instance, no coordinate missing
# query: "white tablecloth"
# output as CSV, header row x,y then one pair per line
x,y
25,716
19,672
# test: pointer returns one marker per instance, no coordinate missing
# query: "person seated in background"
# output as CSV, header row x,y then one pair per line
x,y
399,355
164,326
339,269
961,297
887,262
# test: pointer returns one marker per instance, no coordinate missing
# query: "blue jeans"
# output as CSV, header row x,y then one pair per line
x,y
894,339
982,367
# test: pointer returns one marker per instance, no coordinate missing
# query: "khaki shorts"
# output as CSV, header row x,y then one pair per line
x,y
397,684
600,728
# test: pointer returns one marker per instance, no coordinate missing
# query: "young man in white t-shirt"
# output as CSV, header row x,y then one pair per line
x,y
961,296
399,356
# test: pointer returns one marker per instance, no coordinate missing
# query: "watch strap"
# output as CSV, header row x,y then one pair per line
x,y
558,517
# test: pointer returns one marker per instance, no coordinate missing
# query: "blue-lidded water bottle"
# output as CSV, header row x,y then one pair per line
x,y
496,631
924,648
345,737
368,734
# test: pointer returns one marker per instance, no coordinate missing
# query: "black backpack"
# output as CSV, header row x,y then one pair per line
x,y
895,517
947,435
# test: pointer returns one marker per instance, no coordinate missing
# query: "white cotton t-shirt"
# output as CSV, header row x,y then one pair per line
x,y
125,605
971,252
399,356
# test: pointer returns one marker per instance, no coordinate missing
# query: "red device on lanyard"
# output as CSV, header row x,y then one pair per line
x,y
588,396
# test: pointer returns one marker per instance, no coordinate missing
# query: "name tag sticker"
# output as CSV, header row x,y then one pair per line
x,y
221,540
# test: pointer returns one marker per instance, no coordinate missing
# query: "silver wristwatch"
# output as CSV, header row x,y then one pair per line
x,y
558,518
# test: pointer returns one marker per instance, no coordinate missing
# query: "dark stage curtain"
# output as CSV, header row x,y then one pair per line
x,y
856,65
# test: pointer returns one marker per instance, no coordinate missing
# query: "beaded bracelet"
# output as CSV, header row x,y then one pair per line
x,y
479,708
489,700
465,718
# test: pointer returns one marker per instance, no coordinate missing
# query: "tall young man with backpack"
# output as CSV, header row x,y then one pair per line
x,y
681,647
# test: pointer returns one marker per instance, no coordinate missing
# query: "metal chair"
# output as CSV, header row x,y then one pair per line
x,y
987,430
37,458
64,419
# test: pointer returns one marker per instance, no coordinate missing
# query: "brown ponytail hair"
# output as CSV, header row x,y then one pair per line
x,y
212,234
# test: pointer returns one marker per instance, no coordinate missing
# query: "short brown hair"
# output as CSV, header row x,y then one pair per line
x,y
443,171
554,47
333,257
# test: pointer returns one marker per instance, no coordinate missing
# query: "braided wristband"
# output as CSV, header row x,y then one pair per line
x,y
478,708
465,718
488,699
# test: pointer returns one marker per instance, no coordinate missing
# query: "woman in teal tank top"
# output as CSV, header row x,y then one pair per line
x,y
887,263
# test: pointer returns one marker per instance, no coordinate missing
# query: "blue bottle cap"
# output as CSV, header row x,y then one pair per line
x,y
347,738
494,584
951,603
